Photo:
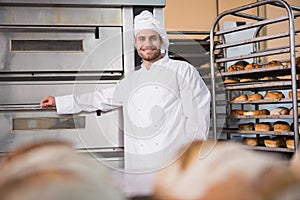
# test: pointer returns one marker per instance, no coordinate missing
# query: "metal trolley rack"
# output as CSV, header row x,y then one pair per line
x,y
218,69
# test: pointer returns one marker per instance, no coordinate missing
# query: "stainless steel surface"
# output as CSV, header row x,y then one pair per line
x,y
89,2
20,93
36,15
98,132
260,85
60,59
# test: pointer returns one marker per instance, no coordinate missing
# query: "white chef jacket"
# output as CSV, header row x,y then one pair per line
x,y
163,108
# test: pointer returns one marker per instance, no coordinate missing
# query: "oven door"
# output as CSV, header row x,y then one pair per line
x,y
60,49
23,122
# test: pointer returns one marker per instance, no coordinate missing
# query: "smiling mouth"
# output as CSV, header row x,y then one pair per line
x,y
149,49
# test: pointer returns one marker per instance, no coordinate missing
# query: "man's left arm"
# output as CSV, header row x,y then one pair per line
x,y
195,98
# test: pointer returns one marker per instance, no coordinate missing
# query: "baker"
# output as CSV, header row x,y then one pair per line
x,y
165,103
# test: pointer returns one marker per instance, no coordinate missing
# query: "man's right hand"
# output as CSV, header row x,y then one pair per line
x,y
48,101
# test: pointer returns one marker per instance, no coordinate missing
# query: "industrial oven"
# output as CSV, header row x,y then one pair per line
x,y
59,47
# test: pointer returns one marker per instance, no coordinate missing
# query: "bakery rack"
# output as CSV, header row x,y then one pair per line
x,y
259,55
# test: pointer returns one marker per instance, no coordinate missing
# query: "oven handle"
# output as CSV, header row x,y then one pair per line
x,y
25,107
24,28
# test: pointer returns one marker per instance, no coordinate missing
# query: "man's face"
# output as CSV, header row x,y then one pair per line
x,y
147,43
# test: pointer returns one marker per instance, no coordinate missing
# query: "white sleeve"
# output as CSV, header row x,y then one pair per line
x,y
105,99
195,98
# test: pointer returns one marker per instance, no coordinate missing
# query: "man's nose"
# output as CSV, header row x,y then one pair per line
x,y
148,42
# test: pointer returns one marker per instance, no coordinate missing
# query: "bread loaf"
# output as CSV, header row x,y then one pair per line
x,y
280,111
257,112
263,126
242,97
288,63
246,127
235,67
289,77
292,110
290,144
252,66
291,94
254,141
250,141
274,142
274,95
231,81
253,97
273,63
281,126
247,80
237,112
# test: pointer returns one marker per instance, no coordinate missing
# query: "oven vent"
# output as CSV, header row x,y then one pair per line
x,y
46,45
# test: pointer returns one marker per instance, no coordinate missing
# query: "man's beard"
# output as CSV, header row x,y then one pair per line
x,y
153,57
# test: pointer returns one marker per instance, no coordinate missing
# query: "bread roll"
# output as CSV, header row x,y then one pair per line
x,y
291,94
273,63
253,97
281,126
290,144
243,97
274,95
235,67
246,127
274,142
252,66
257,112
264,126
231,81
280,111
237,112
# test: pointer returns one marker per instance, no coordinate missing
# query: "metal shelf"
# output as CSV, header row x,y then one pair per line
x,y
236,131
261,85
257,85
261,116
263,101
263,148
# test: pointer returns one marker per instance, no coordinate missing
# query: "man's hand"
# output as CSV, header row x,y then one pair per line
x,y
48,101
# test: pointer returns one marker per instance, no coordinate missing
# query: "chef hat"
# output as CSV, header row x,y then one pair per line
x,y
145,20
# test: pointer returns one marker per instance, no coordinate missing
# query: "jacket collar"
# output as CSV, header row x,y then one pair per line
x,y
161,61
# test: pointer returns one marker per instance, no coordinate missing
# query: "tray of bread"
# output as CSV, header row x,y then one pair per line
x,y
268,97
261,85
281,143
278,69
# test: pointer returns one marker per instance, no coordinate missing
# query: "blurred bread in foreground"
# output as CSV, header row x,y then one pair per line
x,y
227,171
51,170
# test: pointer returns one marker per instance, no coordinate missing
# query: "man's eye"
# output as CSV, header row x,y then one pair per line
x,y
153,38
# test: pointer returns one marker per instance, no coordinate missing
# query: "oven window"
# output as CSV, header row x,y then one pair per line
x,y
47,45
48,123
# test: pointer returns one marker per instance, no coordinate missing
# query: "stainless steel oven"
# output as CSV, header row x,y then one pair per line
x,y
61,47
